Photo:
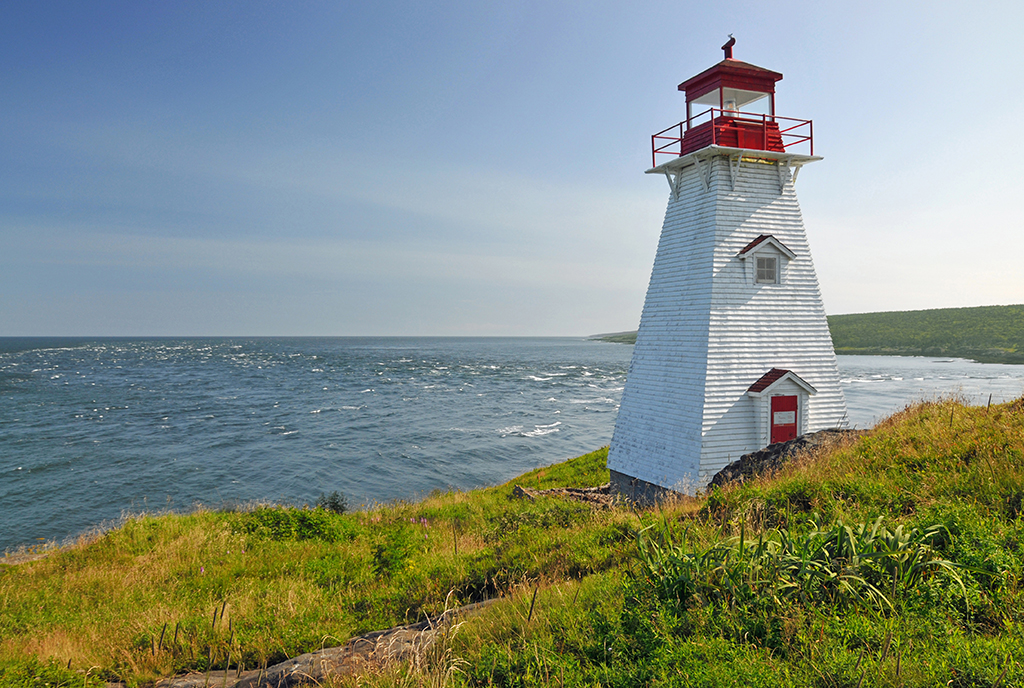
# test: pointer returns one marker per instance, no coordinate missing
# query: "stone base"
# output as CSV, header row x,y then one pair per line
x,y
639,491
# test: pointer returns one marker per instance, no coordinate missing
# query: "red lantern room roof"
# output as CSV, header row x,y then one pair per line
x,y
730,73
731,105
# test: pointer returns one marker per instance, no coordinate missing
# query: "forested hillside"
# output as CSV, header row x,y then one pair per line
x,y
990,334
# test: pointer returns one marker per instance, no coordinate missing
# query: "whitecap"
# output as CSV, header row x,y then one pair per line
x,y
541,430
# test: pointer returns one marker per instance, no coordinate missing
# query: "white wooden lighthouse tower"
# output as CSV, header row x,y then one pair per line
x,y
733,352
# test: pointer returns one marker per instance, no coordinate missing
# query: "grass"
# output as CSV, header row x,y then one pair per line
x,y
895,559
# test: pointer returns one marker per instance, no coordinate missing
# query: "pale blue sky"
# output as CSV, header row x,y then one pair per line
x,y
301,168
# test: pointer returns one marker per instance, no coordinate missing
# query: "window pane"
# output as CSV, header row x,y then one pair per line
x,y
766,271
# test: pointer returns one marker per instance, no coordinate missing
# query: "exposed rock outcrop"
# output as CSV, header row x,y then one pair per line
x,y
373,650
773,456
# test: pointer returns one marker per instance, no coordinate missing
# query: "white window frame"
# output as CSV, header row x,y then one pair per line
x,y
769,248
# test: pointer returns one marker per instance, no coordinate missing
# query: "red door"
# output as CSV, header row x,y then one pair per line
x,y
783,419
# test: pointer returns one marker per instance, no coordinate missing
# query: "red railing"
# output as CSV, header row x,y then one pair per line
x,y
723,125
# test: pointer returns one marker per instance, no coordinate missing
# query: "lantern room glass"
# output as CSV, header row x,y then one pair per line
x,y
733,100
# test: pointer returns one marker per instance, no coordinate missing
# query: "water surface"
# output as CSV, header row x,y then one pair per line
x,y
92,428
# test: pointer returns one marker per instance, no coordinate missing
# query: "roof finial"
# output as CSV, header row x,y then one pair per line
x,y
728,47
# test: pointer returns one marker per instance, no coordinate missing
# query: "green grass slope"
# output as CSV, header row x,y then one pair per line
x,y
895,559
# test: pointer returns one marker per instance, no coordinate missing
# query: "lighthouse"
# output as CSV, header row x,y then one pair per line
x,y
733,352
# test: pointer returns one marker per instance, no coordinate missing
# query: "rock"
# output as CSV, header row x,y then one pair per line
x,y
772,457
598,496
372,650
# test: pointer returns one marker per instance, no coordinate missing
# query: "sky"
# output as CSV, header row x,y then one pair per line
x,y
466,168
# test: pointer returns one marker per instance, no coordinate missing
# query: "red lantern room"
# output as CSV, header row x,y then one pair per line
x,y
732,105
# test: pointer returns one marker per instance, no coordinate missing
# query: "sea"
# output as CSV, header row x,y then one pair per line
x,y
92,430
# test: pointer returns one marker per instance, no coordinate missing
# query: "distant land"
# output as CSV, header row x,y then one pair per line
x,y
987,334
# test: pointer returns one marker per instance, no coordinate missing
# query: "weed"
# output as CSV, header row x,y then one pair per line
x,y
841,566
392,552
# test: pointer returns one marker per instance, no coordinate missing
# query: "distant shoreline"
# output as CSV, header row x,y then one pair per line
x,y
986,334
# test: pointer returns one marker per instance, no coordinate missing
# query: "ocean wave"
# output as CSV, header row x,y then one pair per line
x,y
476,409
538,430
541,430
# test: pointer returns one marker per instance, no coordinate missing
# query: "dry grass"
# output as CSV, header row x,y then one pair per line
x,y
140,601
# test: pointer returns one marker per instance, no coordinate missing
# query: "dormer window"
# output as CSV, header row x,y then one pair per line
x,y
766,270
769,255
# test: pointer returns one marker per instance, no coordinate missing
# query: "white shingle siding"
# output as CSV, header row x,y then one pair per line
x,y
708,332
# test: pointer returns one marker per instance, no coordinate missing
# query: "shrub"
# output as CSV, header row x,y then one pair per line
x,y
335,502
288,523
